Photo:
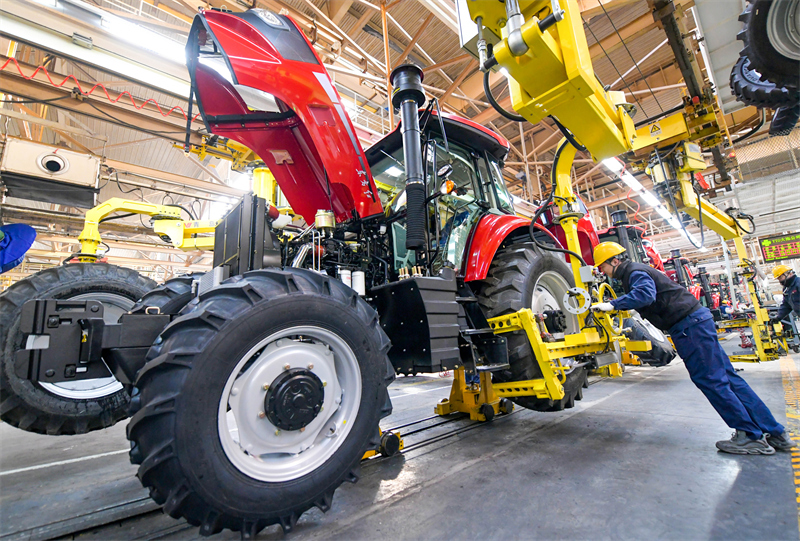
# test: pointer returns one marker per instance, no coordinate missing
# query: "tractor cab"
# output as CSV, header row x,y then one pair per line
x,y
462,168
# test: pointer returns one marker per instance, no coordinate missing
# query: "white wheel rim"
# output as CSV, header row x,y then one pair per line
x,y
783,27
548,294
258,448
88,389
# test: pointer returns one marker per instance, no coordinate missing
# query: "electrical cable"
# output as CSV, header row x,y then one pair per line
x,y
754,130
117,217
91,90
119,186
736,223
613,65
157,133
50,100
675,205
184,209
635,63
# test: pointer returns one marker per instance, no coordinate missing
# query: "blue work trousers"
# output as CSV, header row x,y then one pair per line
x,y
695,339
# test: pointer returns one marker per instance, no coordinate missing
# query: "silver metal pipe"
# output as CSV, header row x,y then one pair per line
x,y
300,258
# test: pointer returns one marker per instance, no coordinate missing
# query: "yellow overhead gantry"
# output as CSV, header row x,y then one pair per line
x,y
542,46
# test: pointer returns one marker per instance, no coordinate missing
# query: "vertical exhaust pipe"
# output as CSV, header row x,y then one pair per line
x,y
408,96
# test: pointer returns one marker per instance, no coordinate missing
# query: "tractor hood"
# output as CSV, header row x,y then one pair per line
x,y
258,81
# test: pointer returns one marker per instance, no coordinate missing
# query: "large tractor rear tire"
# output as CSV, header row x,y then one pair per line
x,y
749,88
65,408
770,35
260,400
521,276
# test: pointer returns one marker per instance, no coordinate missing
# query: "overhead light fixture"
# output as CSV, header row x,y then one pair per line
x,y
631,181
613,164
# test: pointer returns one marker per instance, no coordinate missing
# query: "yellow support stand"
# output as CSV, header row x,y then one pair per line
x,y
472,398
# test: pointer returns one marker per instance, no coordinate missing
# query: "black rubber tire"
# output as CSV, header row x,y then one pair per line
x,y
173,430
784,121
29,406
764,58
662,351
170,297
747,86
508,288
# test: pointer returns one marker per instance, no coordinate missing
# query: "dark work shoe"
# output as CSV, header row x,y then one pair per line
x,y
740,444
781,442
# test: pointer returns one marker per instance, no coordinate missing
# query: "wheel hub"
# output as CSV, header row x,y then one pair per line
x,y
294,399
783,28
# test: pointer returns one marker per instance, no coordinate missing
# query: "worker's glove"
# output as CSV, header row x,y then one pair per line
x,y
603,307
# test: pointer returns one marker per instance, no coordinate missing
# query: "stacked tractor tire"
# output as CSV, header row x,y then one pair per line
x,y
767,74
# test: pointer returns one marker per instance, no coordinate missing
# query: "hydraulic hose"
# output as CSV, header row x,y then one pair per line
x,y
754,130
675,206
496,106
548,202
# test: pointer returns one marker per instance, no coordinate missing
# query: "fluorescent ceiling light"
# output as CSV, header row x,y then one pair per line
x,y
651,199
613,164
631,181
664,213
146,39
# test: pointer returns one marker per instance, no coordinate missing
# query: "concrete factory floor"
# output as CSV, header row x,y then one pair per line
x,y
634,460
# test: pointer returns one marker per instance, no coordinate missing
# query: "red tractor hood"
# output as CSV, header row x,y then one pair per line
x,y
258,81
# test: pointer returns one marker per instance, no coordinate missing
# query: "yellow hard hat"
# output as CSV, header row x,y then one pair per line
x,y
605,251
779,270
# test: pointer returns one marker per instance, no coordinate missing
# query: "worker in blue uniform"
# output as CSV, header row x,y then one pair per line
x,y
791,292
670,307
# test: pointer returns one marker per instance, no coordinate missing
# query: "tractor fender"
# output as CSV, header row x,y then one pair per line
x,y
489,234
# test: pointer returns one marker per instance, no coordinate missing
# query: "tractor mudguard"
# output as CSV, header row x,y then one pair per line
x,y
259,82
493,229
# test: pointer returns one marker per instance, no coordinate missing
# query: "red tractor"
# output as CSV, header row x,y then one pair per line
x,y
678,269
633,239
256,388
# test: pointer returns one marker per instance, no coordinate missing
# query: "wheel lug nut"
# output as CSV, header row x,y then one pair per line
x,y
278,432
311,366
324,383
261,414
286,367
303,429
265,386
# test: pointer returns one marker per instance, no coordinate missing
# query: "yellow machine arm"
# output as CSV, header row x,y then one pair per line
x,y
542,46
551,73
168,225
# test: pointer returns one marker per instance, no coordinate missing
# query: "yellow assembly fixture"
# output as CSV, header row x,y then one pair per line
x,y
167,224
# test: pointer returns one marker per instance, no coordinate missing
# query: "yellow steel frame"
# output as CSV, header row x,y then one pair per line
x,y
555,77
469,398
167,224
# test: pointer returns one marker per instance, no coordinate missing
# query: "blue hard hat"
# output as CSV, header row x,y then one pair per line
x,y
16,240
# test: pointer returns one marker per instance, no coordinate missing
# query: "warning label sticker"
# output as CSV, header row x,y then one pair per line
x,y
655,130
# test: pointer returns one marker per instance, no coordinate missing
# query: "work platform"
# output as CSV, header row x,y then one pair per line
x,y
634,460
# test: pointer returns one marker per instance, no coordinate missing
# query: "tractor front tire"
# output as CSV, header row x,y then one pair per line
x,y
521,276
260,400
661,352
170,297
65,408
